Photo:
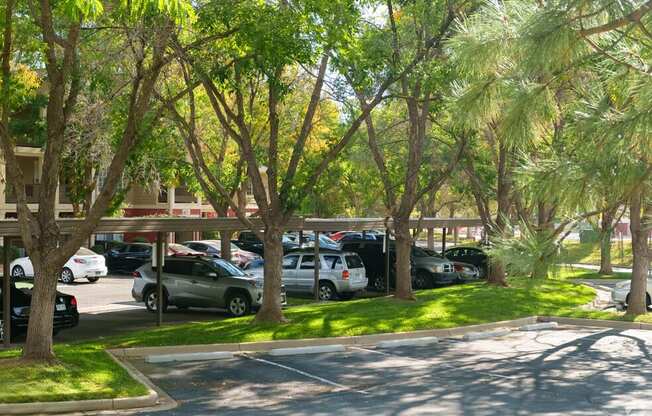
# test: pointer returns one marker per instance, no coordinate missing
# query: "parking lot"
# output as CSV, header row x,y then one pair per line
x,y
564,371
106,308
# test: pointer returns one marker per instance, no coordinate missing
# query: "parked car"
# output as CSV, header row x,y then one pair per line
x,y
467,272
308,240
620,292
84,264
128,257
65,309
427,271
213,248
174,249
469,255
249,241
341,274
356,236
202,282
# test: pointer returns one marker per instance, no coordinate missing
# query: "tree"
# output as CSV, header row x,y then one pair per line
x,y
277,44
409,170
145,29
584,87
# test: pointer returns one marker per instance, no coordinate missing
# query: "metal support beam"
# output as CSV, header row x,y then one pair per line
x,y
317,265
431,239
443,240
159,283
6,294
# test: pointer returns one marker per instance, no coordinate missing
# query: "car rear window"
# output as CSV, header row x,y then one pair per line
x,y
83,251
354,262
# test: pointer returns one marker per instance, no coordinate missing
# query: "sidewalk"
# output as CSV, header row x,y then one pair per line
x,y
595,267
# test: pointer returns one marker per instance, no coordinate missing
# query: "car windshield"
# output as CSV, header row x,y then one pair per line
x,y
419,252
83,251
326,240
232,269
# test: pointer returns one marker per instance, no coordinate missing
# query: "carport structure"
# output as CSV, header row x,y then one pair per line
x,y
9,229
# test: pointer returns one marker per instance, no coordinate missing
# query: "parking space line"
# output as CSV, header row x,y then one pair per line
x,y
430,363
305,374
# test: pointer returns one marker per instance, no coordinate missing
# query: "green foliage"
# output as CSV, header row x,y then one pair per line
x,y
532,253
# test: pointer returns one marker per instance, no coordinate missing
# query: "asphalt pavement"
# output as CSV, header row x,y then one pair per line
x,y
564,371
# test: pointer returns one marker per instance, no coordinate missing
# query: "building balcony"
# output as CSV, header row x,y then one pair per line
x,y
32,191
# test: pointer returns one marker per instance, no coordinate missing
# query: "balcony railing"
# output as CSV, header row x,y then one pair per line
x,y
183,196
32,191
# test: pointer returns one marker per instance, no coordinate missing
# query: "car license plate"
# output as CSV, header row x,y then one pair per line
x,y
61,306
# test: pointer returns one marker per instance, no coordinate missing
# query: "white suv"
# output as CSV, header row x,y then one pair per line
x,y
341,274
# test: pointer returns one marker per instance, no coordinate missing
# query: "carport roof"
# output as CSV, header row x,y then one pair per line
x,y
10,227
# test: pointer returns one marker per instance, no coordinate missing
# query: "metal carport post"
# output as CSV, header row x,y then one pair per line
x,y
159,284
6,294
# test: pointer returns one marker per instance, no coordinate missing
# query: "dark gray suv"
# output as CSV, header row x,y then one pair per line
x,y
202,282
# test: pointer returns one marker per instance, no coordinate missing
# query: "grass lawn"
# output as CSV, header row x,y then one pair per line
x,y
439,308
83,372
589,253
566,273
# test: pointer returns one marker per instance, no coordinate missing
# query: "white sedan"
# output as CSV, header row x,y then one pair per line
x,y
84,264
620,293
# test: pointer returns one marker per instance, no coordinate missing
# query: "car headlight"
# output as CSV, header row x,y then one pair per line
x,y
437,268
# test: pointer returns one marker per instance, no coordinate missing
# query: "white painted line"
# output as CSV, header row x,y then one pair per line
x,y
435,364
303,373
417,342
318,349
472,336
196,356
539,326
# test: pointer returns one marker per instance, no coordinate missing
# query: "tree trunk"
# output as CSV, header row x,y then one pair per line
x,y
637,296
225,243
606,230
403,251
39,346
496,274
270,311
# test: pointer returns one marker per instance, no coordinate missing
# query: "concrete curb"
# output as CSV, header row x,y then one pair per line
x,y
197,356
539,326
473,336
317,349
120,403
416,342
142,352
600,323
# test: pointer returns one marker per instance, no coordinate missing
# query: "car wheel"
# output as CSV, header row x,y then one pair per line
x,y
18,272
93,279
421,280
326,291
67,276
346,295
238,304
379,284
648,302
150,300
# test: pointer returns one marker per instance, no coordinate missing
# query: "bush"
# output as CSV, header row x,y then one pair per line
x,y
140,240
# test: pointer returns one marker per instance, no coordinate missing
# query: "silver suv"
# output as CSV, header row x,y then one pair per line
x,y
341,274
202,282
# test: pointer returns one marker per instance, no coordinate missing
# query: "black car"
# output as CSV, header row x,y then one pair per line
x,y
128,257
469,255
249,241
427,271
355,236
65,309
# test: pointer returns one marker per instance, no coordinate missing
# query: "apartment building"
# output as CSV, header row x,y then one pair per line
x,y
141,200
